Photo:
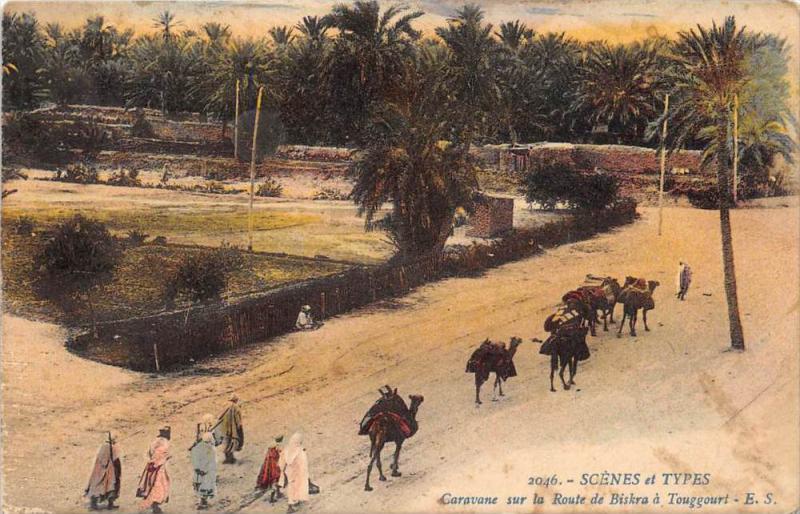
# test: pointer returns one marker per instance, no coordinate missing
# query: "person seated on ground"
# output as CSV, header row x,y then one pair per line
x,y
389,401
305,320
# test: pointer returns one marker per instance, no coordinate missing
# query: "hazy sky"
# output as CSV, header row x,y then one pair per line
x,y
615,20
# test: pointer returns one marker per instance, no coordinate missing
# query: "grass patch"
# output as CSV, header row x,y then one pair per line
x,y
167,219
138,284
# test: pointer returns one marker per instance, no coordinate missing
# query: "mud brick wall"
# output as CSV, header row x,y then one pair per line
x,y
492,216
611,158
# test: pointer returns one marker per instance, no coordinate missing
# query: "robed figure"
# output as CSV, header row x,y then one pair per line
x,y
230,431
104,482
154,484
204,463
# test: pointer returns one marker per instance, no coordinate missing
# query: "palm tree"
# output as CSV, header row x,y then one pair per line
x,y
408,163
281,36
314,28
23,57
368,61
470,72
217,33
166,22
513,34
619,87
710,70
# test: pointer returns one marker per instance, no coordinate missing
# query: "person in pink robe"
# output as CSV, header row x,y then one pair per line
x,y
154,483
294,463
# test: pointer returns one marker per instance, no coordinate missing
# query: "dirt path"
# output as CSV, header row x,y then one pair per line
x,y
665,401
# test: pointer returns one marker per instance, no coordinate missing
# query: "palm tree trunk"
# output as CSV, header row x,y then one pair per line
x,y
724,190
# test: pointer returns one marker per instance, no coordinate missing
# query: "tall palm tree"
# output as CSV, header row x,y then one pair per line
x,y
620,87
513,34
166,22
368,61
314,28
470,73
281,35
217,33
710,70
407,163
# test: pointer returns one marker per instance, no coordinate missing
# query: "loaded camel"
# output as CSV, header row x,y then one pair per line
x,y
387,426
636,294
566,346
602,298
493,358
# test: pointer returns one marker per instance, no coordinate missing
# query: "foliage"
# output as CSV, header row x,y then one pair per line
x,y
408,163
329,193
80,254
140,126
23,226
23,56
269,188
79,173
121,177
136,238
202,276
550,184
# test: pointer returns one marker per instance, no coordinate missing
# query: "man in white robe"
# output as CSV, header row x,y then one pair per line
x,y
204,462
305,320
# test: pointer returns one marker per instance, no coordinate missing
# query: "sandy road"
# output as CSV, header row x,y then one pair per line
x,y
666,401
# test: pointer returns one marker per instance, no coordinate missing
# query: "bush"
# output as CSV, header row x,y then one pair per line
x,y
200,277
78,173
140,126
89,137
703,197
23,226
213,186
123,178
136,238
160,241
550,184
270,188
329,193
24,134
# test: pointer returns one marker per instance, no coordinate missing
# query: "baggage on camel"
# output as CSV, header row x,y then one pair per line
x,y
392,404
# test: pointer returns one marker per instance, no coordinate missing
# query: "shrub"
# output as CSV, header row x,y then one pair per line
x,y
140,126
160,240
550,183
24,134
136,238
123,178
270,188
79,173
213,186
329,193
230,257
89,137
200,277
703,197
23,226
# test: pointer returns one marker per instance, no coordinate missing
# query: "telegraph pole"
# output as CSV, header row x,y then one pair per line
x,y
663,165
735,146
236,125
253,173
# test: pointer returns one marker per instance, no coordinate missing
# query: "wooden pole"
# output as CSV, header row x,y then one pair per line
x,y
253,173
155,354
735,146
663,165
236,125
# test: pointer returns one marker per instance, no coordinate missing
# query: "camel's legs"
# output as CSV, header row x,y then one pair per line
x,y
382,477
553,366
644,319
369,470
622,323
611,313
396,464
633,322
573,369
477,391
561,374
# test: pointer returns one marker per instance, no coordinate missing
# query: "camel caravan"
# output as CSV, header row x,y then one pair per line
x,y
391,420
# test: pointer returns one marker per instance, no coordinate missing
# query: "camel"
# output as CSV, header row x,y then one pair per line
x,y
602,298
493,357
387,427
566,347
634,297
